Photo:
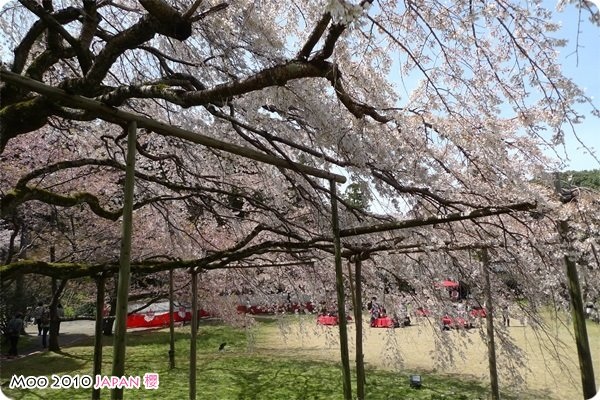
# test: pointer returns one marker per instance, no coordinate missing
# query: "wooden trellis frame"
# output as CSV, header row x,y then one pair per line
x,y
133,121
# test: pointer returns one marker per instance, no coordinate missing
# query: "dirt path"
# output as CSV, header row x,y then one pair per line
x,y
71,332
426,347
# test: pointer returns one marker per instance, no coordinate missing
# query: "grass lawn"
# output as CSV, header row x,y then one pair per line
x,y
542,377
241,371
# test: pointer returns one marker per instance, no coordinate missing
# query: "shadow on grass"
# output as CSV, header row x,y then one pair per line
x,y
72,356
237,374
47,363
265,378
268,378
209,338
26,394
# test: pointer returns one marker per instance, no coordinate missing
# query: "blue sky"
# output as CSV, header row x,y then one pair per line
x,y
583,67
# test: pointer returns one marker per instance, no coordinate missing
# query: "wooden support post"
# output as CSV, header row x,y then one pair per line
x,y
584,353
586,367
97,367
489,318
339,285
194,335
53,344
118,367
171,323
360,362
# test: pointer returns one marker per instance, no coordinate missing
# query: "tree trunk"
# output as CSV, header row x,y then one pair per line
x,y
18,303
53,344
19,296
171,323
489,319
339,285
118,367
97,368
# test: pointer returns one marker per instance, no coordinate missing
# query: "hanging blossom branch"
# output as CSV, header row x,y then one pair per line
x,y
23,193
240,251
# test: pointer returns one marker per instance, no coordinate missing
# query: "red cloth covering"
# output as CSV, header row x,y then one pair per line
x,y
327,320
155,320
422,312
478,313
456,323
383,322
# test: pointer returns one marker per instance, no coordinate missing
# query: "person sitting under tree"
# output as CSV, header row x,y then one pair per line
x,y
374,308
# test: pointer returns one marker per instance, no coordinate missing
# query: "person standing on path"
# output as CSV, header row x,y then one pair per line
x,y
37,315
14,328
505,316
45,324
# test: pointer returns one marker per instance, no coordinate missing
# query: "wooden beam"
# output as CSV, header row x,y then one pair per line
x,y
117,116
79,270
437,219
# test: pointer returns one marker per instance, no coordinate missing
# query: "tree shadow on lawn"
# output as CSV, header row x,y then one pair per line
x,y
272,378
29,345
137,338
46,363
25,394
443,386
208,340
263,378
292,379
73,356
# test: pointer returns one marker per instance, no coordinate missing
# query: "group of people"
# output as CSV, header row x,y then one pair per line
x,y
377,310
41,317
